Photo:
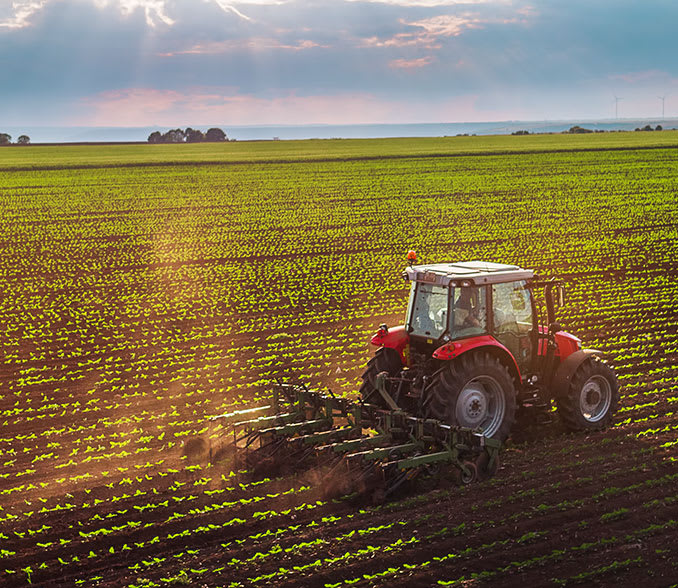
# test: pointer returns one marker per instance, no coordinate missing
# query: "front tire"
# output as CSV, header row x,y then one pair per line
x,y
385,360
591,399
475,391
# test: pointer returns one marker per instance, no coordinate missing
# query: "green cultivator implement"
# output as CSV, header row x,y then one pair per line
x,y
352,446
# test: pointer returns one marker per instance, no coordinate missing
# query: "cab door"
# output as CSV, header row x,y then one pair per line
x,y
512,320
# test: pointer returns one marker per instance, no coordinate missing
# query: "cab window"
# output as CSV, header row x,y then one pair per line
x,y
428,317
469,312
512,318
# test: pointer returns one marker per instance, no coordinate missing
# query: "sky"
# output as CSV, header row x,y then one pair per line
x,y
264,62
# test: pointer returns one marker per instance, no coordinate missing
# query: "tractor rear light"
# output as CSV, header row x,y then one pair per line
x,y
465,284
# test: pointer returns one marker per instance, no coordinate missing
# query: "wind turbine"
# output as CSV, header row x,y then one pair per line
x,y
616,106
662,98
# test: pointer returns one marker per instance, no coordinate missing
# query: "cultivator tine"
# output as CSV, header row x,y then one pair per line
x,y
264,422
266,459
240,413
354,444
423,459
298,428
383,452
329,431
321,438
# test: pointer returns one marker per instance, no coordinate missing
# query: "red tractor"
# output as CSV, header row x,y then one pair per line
x,y
475,351
442,392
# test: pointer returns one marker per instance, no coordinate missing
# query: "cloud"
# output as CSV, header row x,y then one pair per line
x,y
21,12
400,40
129,103
225,106
432,3
556,58
411,63
154,10
448,25
430,31
231,6
144,106
255,44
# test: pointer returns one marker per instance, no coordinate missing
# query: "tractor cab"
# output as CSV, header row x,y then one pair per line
x,y
456,301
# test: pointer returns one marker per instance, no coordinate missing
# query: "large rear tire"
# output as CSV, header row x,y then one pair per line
x,y
591,399
475,391
384,360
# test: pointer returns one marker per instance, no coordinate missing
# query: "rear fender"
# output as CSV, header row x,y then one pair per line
x,y
566,370
395,338
454,349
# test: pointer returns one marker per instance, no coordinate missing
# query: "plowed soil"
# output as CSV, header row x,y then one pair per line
x,y
138,301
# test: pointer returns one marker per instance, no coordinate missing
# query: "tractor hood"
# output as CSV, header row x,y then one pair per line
x,y
567,343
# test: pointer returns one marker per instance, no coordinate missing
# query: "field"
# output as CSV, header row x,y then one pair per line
x,y
144,289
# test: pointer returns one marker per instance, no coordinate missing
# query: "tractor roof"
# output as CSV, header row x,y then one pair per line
x,y
467,273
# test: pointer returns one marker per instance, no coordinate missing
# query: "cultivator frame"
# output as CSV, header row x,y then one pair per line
x,y
352,446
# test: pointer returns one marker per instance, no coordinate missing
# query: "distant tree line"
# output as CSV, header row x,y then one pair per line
x,y
6,139
576,129
213,135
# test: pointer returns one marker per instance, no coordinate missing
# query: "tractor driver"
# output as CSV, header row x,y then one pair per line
x,y
468,314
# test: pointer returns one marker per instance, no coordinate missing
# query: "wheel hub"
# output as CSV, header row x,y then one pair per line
x,y
595,398
473,405
480,405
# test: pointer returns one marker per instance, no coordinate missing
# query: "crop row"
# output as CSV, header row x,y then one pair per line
x,y
138,302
